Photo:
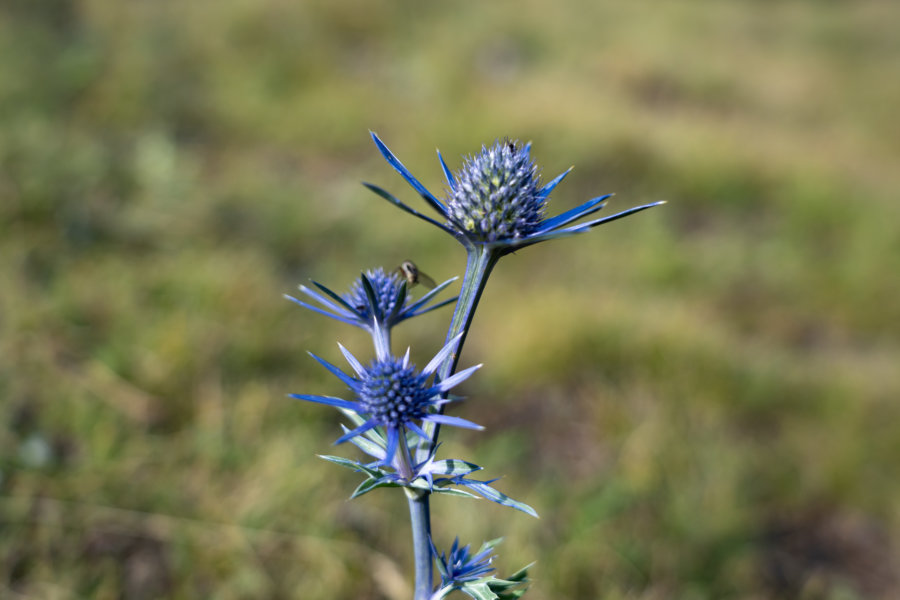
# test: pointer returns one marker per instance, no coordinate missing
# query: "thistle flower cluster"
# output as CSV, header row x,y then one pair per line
x,y
495,204
377,300
388,292
496,194
392,395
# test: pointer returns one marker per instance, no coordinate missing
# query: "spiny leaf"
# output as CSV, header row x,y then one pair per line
x,y
499,497
452,467
351,464
370,484
479,590
453,492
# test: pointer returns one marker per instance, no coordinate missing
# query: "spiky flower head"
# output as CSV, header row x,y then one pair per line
x,y
378,298
460,566
391,394
497,194
389,294
496,200
471,574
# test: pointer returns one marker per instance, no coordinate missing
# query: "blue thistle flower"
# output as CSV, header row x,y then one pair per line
x,y
391,394
387,290
459,567
376,299
496,195
496,200
460,570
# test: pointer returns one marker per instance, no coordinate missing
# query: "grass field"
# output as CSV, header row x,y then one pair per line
x,y
704,396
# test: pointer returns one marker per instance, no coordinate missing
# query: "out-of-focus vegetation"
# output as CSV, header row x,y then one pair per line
x,y
705,396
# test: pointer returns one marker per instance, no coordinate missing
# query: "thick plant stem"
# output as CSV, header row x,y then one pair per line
x,y
479,263
419,509
420,519
480,260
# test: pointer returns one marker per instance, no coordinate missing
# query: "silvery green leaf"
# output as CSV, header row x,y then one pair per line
x,y
509,595
370,484
352,464
503,587
453,492
479,590
452,467
519,576
490,544
498,497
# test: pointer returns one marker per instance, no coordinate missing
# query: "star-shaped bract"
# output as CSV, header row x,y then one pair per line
x,y
376,299
458,566
391,394
496,199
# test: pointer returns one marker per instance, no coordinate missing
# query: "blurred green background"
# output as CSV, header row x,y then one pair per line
x,y
700,401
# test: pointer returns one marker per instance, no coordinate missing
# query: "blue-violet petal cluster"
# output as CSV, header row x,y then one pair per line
x,y
496,194
459,566
496,199
390,393
376,299
387,289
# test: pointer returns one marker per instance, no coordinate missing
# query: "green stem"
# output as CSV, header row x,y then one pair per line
x,y
420,522
420,519
480,260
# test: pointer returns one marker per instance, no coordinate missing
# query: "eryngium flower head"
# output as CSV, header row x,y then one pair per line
x,y
496,199
376,299
458,566
386,289
390,393
496,195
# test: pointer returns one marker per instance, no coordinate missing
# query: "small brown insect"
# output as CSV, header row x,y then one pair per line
x,y
413,275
